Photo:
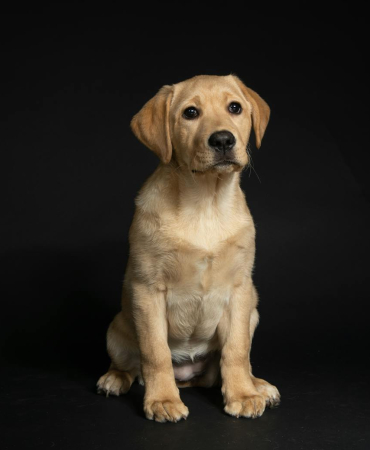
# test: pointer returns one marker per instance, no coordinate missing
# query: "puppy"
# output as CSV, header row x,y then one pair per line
x,y
189,303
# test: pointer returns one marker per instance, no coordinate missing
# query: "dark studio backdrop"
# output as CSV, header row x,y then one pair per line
x,y
72,80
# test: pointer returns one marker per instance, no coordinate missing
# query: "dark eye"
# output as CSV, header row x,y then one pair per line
x,y
190,113
235,108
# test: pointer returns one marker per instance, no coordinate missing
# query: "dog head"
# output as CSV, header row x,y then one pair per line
x,y
203,123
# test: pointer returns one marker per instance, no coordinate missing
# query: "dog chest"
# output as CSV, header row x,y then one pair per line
x,y
199,288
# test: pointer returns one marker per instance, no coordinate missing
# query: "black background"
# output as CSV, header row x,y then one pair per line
x,y
72,79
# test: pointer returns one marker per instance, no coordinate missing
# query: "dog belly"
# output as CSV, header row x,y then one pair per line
x,y
188,370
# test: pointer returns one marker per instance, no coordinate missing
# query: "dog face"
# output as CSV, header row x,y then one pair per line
x,y
203,123
210,123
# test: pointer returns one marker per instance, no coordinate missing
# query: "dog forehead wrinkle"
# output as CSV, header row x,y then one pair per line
x,y
205,86
194,101
208,96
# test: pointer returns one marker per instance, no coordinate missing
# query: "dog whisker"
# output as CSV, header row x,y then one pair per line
x,y
250,164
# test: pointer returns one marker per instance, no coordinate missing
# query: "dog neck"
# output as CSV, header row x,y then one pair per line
x,y
193,209
205,193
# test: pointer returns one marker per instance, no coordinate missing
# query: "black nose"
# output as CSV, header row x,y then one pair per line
x,y
222,141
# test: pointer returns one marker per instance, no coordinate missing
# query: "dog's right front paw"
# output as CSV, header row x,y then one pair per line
x,y
165,410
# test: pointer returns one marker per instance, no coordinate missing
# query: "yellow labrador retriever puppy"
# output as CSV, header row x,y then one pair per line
x,y
188,303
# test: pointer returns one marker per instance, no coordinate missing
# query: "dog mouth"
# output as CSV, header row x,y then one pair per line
x,y
219,164
225,162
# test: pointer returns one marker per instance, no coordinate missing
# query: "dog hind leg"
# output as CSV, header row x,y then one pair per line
x,y
125,360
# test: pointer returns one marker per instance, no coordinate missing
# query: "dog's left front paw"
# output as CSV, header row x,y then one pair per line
x,y
166,410
251,406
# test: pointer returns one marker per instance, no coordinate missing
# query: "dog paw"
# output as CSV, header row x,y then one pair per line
x,y
251,406
269,392
166,410
113,382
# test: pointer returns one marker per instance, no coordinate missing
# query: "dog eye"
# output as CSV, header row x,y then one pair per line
x,y
235,108
190,113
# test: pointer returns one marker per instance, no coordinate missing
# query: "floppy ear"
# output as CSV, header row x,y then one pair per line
x,y
151,124
260,110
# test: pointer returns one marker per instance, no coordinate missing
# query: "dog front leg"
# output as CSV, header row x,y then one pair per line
x,y
241,398
162,400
